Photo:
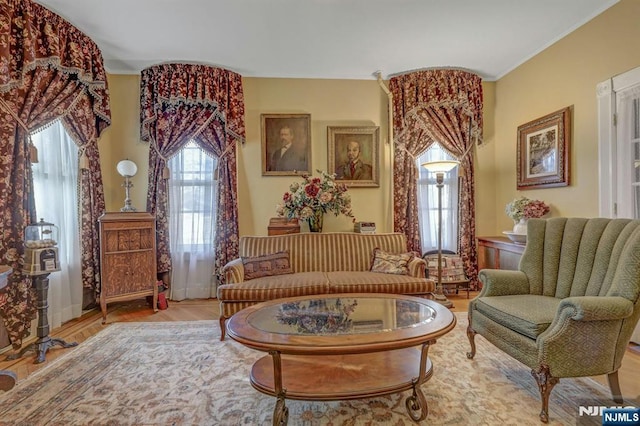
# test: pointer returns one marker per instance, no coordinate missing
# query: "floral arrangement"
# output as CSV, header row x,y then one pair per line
x,y
313,195
525,208
318,317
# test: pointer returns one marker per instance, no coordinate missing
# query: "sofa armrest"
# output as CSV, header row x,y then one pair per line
x,y
417,267
233,271
501,282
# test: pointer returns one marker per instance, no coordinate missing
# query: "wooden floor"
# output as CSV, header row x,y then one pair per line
x,y
90,323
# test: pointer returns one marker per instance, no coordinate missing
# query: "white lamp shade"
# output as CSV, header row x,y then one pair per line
x,y
127,168
440,166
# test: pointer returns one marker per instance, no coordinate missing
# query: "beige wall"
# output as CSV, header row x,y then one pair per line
x,y
330,103
564,74
121,140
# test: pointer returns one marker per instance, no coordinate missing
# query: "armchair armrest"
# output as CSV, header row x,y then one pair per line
x,y
500,282
417,267
233,271
595,308
589,325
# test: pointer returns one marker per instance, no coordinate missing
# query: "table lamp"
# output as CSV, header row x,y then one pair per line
x,y
127,169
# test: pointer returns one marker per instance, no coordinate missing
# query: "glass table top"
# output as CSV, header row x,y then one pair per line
x,y
341,315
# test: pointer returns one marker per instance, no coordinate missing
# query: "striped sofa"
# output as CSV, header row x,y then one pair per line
x,y
322,263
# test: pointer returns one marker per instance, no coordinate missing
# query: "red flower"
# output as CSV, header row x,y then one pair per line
x,y
312,190
286,197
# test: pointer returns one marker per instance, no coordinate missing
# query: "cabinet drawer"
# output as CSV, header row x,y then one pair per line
x,y
128,239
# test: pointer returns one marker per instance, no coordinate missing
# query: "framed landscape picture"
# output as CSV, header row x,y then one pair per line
x,y
543,151
353,155
286,144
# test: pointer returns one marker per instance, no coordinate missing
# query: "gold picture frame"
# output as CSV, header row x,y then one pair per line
x,y
344,143
543,154
291,132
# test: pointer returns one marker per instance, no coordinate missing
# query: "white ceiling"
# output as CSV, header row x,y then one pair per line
x,y
345,39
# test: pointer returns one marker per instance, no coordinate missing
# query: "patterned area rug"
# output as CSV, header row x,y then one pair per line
x,y
179,373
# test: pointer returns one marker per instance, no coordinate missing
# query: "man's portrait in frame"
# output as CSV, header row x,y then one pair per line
x,y
353,155
286,144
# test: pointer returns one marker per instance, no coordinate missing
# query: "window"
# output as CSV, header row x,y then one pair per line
x,y
55,186
192,217
428,203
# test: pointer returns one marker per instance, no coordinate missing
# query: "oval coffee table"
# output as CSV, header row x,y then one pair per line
x,y
342,346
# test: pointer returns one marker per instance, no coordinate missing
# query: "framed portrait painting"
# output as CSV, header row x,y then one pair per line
x,y
353,155
286,144
543,151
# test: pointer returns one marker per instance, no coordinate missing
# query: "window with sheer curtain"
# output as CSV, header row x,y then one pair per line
x,y
192,216
428,203
55,184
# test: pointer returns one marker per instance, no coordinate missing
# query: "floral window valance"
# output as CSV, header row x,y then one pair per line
x,y
32,36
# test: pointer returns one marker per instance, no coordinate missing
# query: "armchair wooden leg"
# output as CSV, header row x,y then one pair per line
x,y
223,327
471,334
614,385
546,382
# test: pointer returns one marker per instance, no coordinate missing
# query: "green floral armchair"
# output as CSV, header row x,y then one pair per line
x,y
570,309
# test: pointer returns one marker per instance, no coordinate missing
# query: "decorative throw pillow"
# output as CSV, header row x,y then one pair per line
x,y
267,265
452,267
388,263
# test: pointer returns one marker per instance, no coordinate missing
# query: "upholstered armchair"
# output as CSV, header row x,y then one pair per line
x,y
570,309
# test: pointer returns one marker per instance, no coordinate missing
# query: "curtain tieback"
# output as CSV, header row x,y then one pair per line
x,y
166,172
227,150
33,151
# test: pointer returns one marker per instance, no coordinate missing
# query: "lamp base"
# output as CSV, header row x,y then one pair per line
x,y
442,299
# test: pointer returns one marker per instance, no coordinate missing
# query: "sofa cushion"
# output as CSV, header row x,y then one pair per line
x,y
388,263
373,282
275,287
528,315
267,265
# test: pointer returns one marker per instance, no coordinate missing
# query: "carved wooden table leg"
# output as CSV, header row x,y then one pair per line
x,y
280,411
417,407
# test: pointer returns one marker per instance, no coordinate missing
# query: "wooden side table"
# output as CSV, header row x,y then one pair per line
x,y
499,253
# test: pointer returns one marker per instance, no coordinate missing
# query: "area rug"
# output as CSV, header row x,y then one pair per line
x,y
179,373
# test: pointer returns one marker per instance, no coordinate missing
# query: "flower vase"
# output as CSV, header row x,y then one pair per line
x,y
315,221
520,227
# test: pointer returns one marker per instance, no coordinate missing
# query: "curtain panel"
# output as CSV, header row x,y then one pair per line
x,y
183,102
444,106
50,70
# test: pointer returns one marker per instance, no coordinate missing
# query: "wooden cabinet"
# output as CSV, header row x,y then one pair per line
x,y
127,258
498,253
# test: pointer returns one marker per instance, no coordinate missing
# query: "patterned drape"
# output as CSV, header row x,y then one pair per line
x,y
50,70
443,105
180,102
